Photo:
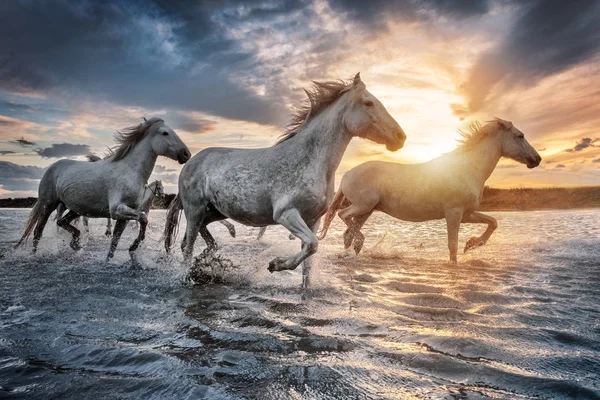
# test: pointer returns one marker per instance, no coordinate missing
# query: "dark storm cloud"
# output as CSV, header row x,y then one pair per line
x,y
549,37
21,142
5,152
584,143
152,54
375,13
191,124
59,150
19,177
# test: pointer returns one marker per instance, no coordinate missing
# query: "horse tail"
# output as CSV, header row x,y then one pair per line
x,y
34,216
172,222
338,199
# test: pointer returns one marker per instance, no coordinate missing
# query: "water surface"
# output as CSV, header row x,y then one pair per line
x,y
516,319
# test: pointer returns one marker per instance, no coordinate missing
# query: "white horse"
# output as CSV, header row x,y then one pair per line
x,y
450,186
109,188
290,183
60,209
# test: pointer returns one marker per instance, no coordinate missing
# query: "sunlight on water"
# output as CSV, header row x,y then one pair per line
x,y
517,318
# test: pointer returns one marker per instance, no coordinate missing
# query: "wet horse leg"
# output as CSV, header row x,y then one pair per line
x,y
354,217
261,232
479,218
290,218
108,231
65,223
453,218
86,224
39,227
308,263
119,228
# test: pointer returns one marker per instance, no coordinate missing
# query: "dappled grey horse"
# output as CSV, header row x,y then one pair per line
x,y
450,186
60,209
109,188
290,183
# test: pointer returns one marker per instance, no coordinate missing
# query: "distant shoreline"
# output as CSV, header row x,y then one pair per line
x,y
518,199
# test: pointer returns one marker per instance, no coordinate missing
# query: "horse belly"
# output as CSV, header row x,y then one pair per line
x,y
414,212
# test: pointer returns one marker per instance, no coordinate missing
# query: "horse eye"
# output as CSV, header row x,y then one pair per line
x,y
165,133
368,103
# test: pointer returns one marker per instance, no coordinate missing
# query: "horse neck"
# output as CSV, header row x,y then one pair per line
x,y
141,159
484,157
325,140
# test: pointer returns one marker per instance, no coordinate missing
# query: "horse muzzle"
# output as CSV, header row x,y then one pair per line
x,y
400,139
183,156
534,162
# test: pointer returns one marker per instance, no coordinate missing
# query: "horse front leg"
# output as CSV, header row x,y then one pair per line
x,y
136,243
119,228
108,230
65,223
453,218
308,263
292,220
479,218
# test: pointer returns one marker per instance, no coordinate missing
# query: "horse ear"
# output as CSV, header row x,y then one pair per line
x,y
357,81
504,124
145,120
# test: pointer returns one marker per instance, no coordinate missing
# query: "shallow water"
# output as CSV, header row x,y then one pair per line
x,y
517,319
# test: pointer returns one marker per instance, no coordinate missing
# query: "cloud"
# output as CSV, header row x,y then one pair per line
x,y
550,36
5,152
161,168
194,125
59,150
584,143
23,142
150,54
559,166
596,160
14,177
375,13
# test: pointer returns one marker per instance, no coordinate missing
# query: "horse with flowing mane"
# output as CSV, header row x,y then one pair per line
x,y
450,186
109,188
290,183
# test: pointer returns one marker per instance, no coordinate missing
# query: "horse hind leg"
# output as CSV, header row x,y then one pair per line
x,y
354,217
39,227
120,226
359,238
65,223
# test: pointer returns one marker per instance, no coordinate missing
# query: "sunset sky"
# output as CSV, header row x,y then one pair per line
x,y
229,73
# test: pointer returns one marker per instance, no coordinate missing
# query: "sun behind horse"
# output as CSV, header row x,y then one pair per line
x,y
108,188
450,186
290,183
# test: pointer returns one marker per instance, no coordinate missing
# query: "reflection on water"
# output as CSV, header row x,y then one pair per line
x,y
516,319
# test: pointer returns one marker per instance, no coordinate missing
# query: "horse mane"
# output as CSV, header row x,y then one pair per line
x,y
320,96
93,158
128,138
474,133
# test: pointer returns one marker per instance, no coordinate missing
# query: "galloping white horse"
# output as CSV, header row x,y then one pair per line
x,y
109,188
450,186
60,209
290,183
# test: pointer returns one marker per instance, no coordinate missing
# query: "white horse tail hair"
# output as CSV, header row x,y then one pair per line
x,y
34,216
172,222
338,199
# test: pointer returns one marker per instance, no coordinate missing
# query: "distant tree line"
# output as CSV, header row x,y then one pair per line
x,y
518,199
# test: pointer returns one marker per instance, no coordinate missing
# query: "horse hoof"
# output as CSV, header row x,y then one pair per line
x,y
472,243
277,264
75,246
232,231
107,233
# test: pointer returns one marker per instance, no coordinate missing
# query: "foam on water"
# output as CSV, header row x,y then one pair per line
x,y
517,318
